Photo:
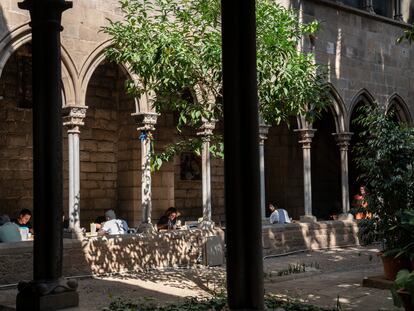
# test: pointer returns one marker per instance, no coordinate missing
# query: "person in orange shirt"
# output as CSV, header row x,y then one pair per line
x,y
361,204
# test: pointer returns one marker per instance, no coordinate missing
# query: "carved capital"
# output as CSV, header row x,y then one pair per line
x,y
306,136
73,117
206,130
145,120
343,140
263,131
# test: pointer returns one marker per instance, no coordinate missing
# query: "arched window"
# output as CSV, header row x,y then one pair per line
x,y
354,3
383,7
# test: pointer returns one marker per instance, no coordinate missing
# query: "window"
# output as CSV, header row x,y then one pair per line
x,y
383,7
354,3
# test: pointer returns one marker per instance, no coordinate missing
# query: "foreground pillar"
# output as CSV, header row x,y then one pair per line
x,y
47,291
147,121
73,119
306,136
263,131
343,140
241,160
206,133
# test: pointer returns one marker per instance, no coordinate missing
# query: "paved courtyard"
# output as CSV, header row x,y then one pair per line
x,y
331,278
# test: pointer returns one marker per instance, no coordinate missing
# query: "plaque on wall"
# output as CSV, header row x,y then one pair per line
x,y
190,166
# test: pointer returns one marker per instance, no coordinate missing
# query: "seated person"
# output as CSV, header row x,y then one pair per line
x,y
278,215
113,225
99,221
23,220
169,220
9,231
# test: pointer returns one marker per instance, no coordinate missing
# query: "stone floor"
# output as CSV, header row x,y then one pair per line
x,y
331,278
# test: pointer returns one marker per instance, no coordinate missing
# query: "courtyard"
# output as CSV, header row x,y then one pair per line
x,y
332,279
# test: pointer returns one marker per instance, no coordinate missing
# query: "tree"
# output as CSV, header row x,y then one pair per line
x,y
385,157
174,48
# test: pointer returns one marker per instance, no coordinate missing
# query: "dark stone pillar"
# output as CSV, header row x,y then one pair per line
x,y
47,291
241,162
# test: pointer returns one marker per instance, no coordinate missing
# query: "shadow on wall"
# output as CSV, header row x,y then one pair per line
x,y
279,239
113,254
145,251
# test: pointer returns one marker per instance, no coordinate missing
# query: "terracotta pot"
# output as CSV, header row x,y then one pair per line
x,y
406,299
393,265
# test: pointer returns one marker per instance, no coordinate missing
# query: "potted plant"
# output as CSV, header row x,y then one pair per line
x,y
403,290
385,156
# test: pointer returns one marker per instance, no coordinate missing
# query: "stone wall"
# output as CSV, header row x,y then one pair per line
x,y
111,254
279,239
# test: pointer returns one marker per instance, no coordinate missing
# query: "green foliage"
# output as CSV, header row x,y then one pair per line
x,y
173,47
385,156
405,281
407,35
218,302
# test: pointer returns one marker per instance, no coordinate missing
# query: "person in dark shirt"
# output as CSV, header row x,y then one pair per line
x,y
169,220
23,220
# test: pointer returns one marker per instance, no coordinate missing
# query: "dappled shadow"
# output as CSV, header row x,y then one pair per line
x,y
338,281
285,238
137,252
97,293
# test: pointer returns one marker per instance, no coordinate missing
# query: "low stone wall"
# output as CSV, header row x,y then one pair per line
x,y
278,239
122,253
110,254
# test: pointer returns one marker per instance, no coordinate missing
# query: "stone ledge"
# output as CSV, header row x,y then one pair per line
x,y
112,254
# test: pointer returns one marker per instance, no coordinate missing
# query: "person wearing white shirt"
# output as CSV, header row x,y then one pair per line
x,y
278,215
113,225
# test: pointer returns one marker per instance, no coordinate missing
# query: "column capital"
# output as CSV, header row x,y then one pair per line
x,y
206,129
73,117
145,120
306,136
263,131
343,140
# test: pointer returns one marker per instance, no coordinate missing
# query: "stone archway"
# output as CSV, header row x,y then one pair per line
x,y
284,169
326,169
399,109
363,98
109,148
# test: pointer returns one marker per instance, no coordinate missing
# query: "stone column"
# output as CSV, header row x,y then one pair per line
x,y
206,133
397,10
47,291
368,6
306,136
343,140
263,131
73,119
147,121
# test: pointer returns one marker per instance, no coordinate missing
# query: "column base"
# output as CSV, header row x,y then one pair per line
x,y
34,296
308,218
146,228
206,225
346,217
